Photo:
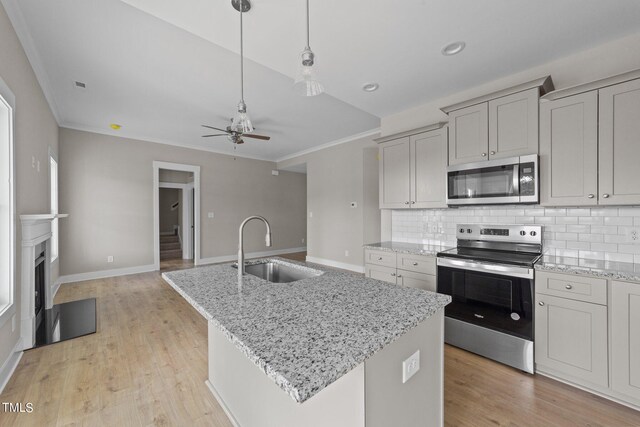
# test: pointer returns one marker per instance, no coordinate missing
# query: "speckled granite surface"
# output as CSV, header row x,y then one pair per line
x,y
408,248
604,269
305,335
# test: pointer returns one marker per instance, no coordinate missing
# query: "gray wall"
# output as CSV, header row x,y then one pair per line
x,y
35,131
337,176
106,185
169,218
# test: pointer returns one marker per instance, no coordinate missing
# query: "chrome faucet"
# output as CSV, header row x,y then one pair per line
x,y
267,241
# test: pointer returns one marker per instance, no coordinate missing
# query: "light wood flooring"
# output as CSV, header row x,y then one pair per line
x,y
147,365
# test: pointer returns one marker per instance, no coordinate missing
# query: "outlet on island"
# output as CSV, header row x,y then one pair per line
x,y
110,258
410,366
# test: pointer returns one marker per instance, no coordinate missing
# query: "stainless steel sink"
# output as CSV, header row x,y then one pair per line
x,y
279,273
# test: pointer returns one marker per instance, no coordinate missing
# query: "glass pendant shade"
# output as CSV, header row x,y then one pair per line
x,y
307,84
241,123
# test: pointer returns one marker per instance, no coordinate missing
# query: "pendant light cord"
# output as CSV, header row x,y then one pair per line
x,y
241,57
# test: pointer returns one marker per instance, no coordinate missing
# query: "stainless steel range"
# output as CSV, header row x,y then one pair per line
x,y
489,276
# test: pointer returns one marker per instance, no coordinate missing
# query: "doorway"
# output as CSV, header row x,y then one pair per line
x,y
176,204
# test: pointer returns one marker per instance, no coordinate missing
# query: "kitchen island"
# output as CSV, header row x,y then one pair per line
x,y
325,350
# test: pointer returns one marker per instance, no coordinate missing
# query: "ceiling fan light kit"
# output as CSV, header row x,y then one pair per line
x,y
307,83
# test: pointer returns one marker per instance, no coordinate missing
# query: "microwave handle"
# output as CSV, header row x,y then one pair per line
x,y
516,179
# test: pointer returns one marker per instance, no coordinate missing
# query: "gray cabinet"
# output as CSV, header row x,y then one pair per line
x,y
619,144
569,150
395,190
469,134
625,339
413,171
416,271
571,339
513,125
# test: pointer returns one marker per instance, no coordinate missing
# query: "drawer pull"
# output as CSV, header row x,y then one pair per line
x,y
492,153
406,203
393,274
415,263
541,303
568,287
379,258
606,196
591,196
399,275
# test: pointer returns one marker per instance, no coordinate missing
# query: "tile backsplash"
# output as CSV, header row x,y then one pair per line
x,y
611,233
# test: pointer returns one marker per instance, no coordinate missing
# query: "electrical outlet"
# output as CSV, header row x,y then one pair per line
x,y
210,215
346,253
33,162
38,166
410,366
634,236
310,214
110,258
303,240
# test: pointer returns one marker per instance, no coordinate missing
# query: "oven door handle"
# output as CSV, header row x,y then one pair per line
x,y
504,270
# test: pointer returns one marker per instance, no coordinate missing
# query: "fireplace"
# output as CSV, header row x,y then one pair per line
x,y
39,284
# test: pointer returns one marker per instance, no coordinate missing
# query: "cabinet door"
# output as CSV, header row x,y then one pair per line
x,y
625,339
620,144
569,151
571,339
513,125
416,280
386,274
468,134
395,191
428,156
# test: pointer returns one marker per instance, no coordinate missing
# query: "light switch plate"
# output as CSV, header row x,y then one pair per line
x,y
210,215
410,366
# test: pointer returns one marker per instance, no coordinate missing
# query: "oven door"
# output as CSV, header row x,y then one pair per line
x,y
496,297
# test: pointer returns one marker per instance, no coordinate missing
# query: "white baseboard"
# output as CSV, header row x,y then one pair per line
x,y
223,405
10,365
228,258
55,288
80,277
336,264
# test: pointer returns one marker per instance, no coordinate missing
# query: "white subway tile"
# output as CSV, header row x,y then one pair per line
x,y
534,212
556,228
629,249
567,253
604,229
604,247
567,236
618,257
597,238
591,255
578,212
526,220
629,211
545,220
592,220
615,238
604,212
516,212
555,244
567,220
636,259
555,212
579,228
578,245
636,221
618,220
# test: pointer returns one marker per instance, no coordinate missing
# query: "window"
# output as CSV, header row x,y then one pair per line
x,y
7,222
53,182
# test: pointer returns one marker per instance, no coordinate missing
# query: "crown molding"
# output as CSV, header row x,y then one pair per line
x,y
15,16
344,140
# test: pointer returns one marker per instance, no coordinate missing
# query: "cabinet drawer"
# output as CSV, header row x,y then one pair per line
x,y
418,263
580,288
387,259
416,280
378,272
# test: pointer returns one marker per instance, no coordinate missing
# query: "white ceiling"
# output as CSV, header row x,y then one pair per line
x,y
161,67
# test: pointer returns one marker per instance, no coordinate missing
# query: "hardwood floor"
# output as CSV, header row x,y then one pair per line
x,y
147,364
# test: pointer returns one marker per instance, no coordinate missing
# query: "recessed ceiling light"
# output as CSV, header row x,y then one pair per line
x,y
370,87
115,126
453,48
80,85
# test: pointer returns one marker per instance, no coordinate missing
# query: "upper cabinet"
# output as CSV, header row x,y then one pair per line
x,y
588,144
413,169
499,125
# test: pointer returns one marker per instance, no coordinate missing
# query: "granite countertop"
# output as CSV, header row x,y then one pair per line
x,y
305,335
408,248
605,269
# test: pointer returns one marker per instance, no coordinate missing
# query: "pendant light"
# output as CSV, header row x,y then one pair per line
x,y
241,122
306,82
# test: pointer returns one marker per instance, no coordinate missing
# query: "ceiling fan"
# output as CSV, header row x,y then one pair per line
x,y
241,124
234,136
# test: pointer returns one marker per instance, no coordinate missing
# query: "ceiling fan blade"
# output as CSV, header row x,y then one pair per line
x,y
214,128
263,137
217,134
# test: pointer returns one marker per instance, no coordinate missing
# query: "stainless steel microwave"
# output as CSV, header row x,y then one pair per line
x,y
512,180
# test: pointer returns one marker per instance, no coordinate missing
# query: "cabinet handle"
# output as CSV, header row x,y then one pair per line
x,y
606,196
492,153
568,287
591,196
379,258
413,203
484,154
541,303
398,275
406,203
415,263
393,274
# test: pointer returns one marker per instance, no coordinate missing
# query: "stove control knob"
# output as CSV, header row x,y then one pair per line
x,y
523,233
468,230
533,233
462,230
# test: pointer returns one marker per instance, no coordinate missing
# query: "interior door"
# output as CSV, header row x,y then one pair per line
x,y
428,154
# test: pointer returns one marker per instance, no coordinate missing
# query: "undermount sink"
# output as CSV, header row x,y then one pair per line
x,y
279,273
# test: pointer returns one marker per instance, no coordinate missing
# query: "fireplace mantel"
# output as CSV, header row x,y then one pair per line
x,y
36,229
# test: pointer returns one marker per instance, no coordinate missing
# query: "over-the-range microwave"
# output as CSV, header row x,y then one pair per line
x,y
501,181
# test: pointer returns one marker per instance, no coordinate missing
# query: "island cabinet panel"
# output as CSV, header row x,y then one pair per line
x,y
513,125
395,190
569,150
412,270
625,339
428,169
416,402
571,339
468,134
620,144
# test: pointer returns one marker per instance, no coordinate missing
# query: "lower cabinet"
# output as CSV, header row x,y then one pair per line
x,y
625,339
415,271
571,337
